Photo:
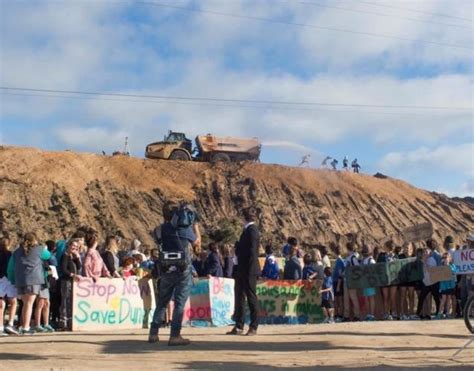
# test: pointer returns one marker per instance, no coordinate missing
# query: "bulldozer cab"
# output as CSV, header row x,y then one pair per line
x,y
180,139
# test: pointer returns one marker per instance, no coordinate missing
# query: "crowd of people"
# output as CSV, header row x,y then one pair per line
x,y
345,164
406,301
42,275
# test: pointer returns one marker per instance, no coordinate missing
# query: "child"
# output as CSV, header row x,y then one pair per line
x,y
369,292
8,291
309,273
271,270
127,267
447,290
338,281
327,302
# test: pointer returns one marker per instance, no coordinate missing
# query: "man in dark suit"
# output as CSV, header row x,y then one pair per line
x,y
247,272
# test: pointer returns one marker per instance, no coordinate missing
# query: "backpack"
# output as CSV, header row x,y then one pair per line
x,y
183,217
173,252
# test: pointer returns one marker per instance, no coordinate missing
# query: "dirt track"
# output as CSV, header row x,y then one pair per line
x,y
394,345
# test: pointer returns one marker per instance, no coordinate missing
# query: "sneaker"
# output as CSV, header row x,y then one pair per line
x,y
153,339
345,319
28,332
48,328
439,316
415,317
326,320
178,341
338,319
331,320
3,333
11,330
370,318
39,329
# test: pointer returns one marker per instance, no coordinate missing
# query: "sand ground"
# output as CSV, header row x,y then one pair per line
x,y
379,345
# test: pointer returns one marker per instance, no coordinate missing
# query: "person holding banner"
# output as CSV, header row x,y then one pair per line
x,y
247,272
428,286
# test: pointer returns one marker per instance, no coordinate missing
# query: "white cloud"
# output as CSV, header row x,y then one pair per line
x,y
453,158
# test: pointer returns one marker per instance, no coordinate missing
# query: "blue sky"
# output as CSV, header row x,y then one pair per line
x,y
140,48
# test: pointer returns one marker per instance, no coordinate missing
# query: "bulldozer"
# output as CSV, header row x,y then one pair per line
x,y
209,148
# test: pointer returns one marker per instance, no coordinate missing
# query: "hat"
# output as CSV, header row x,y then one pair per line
x,y
470,237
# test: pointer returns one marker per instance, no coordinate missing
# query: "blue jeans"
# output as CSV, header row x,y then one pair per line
x,y
177,285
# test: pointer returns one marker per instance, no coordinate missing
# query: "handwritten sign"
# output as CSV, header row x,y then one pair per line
x,y
111,303
464,261
418,232
438,274
384,274
289,302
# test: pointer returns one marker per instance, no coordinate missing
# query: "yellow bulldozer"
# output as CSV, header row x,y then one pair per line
x,y
175,146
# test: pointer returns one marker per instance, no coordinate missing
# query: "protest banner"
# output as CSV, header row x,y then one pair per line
x,y
211,303
464,261
281,302
289,302
384,274
418,232
438,274
111,303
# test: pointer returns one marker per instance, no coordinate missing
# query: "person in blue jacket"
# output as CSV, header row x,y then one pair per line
x,y
271,270
214,262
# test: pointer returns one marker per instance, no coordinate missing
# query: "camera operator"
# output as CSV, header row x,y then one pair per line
x,y
177,234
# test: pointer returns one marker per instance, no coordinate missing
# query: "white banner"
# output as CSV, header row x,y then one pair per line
x,y
464,261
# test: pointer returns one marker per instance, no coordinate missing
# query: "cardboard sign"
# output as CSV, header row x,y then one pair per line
x,y
384,274
438,274
289,302
464,261
418,232
111,303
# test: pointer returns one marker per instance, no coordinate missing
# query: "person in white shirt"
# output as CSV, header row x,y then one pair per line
x,y
428,286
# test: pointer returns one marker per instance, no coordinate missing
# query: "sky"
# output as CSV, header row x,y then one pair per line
x,y
387,82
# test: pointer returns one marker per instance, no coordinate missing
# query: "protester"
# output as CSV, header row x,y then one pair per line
x,y
327,297
338,282
447,290
325,256
127,267
94,266
271,270
428,287
247,272
110,257
345,164
292,241
351,295
25,270
178,232
407,290
70,271
449,245
355,165
369,292
389,293
309,273
228,252
214,262
334,163
54,285
293,270
8,292
42,306
199,264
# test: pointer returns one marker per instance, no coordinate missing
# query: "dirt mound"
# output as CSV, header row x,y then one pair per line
x,y
54,192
